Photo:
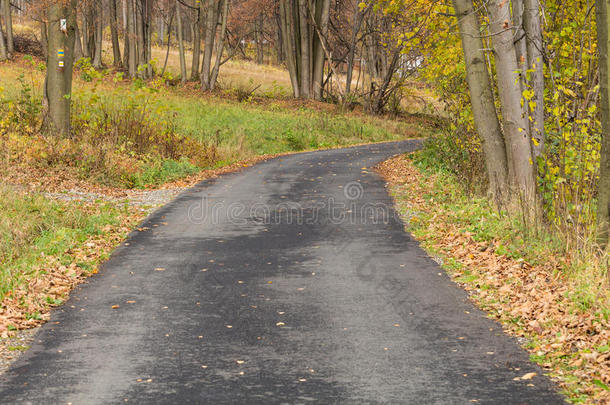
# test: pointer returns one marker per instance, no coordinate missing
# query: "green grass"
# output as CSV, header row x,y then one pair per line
x,y
240,130
477,216
32,228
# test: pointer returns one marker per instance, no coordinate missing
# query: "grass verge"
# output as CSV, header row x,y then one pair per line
x,y
525,281
47,247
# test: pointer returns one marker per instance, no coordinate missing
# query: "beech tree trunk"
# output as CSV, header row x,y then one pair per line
x,y
180,42
140,33
210,32
44,39
3,50
221,44
132,52
99,32
78,45
60,62
519,39
196,41
8,22
114,33
322,17
357,23
481,95
305,60
533,30
603,197
516,127
291,52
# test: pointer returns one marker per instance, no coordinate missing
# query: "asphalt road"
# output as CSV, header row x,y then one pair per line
x,y
290,282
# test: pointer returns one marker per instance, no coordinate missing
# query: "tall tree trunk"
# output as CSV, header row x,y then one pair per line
x,y
196,42
287,23
603,197
481,97
221,43
44,40
139,12
520,41
148,29
533,29
99,33
132,43
358,18
3,50
60,61
114,33
210,32
78,45
8,21
322,16
180,42
516,127
85,32
279,39
305,68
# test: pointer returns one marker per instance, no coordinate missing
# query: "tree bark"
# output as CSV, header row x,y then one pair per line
x,y
44,39
78,45
358,18
180,42
132,52
3,50
305,68
290,52
603,197
322,17
99,32
197,23
221,43
114,33
516,127
58,82
210,32
484,112
8,21
533,30
141,47
519,39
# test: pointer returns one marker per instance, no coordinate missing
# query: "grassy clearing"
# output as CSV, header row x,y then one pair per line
x,y
46,247
557,299
215,129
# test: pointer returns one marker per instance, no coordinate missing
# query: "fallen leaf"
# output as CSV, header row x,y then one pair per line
x,y
529,376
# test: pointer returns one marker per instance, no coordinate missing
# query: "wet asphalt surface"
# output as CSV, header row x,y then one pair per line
x,y
290,282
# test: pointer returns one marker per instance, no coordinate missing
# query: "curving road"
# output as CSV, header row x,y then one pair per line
x,y
290,282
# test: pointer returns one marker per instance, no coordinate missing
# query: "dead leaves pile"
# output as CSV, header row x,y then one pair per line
x,y
51,283
530,301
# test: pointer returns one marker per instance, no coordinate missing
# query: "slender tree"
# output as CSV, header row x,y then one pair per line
x,y
481,96
60,62
3,50
516,127
210,33
8,22
114,33
533,32
180,42
132,53
98,33
603,198
197,22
